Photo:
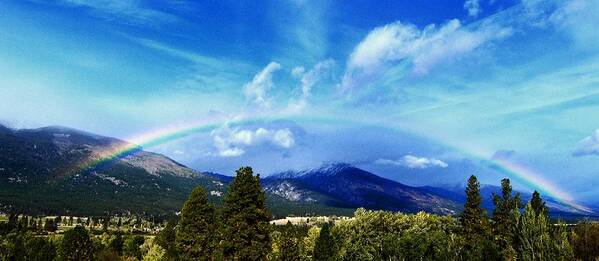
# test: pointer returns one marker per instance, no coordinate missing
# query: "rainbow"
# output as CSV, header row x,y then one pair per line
x,y
526,176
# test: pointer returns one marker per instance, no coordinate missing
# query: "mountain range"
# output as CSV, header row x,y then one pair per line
x,y
48,171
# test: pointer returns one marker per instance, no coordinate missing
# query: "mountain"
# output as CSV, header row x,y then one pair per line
x,y
557,209
52,170
59,170
343,185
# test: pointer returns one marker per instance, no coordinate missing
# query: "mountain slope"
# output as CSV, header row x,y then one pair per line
x,y
46,170
342,185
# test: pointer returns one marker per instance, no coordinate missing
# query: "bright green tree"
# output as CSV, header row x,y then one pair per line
x,y
195,235
538,240
76,245
245,230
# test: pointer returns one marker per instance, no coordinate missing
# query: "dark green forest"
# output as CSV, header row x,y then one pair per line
x,y
240,229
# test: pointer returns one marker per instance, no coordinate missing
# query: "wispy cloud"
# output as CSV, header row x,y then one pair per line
x,y
473,7
414,162
256,90
127,11
308,79
422,49
588,145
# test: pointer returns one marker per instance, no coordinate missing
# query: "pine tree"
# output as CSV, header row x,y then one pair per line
x,y
166,239
324,248
538,205
475,225
117,244
76,245
290,245
195,235
474,217
245,231
503,218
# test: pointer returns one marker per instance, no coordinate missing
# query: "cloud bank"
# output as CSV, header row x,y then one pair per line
x,y
414,162
233,142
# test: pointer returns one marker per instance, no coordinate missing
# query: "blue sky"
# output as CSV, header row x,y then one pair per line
x,y
417,91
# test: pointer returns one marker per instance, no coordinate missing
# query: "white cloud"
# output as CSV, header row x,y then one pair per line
x,y
423,49
588,145
473,7
578,18
256,90
233,142
414,162
298,71
308,80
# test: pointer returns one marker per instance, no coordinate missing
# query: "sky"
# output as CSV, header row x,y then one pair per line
x,y
423,92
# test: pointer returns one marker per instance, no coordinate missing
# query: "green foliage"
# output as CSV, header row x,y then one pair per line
x,y
324,246
117,244
506,206
195,235
474,217
537,240
538,205
475,226
245,229
40,249
585,241
50,225
132,246
76,245
287,244
12,247
381,235
167,240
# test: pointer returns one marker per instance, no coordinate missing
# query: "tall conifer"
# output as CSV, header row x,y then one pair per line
x,y
195,234
245,231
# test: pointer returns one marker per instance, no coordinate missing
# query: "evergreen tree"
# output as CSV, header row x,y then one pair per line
x,y
324,248
40,249
538,205
76,245
50,225
195,235
116,245
290,245
474,217
478,243
132,247
503,218
245,231
166,239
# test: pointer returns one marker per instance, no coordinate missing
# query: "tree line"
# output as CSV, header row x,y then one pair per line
x,y
240,230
